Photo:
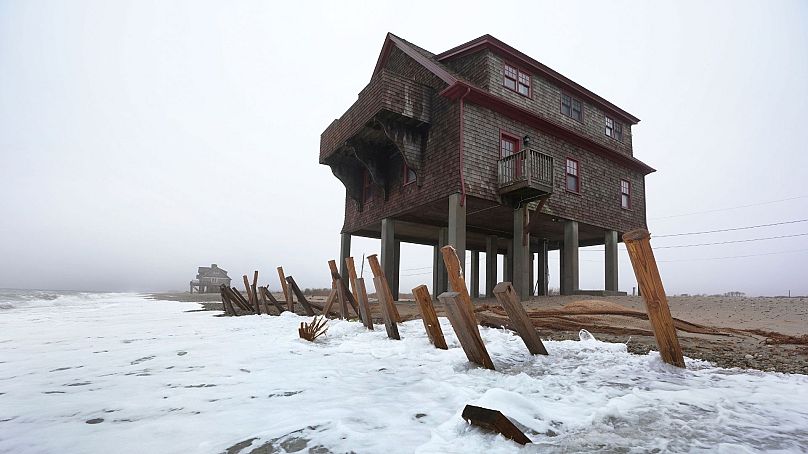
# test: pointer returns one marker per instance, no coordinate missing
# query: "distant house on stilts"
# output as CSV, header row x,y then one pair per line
x,y
208,279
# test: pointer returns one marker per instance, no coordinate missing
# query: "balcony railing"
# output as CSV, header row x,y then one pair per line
x,y
528,172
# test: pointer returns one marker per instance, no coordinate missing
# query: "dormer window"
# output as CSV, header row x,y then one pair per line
x,y
516,80
572,107
614,129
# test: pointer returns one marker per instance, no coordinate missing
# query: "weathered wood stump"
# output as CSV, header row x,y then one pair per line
x,y
494,421
465,327
507,297
430,318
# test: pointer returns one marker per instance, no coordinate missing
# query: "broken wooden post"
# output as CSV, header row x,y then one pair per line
x,y
300,296
235,295
638,243
287,295
266,294
228,308
507,297
250,299
362,301
429,317
254,289
349,265
456,280
465,327
313,330
494,421
385,288
342,290
386,305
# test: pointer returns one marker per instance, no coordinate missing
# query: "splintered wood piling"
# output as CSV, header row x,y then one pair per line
x,y
507,297
287,295
349,265
430,318
383,287
458,284
465,327
300,296
386,305
638,243
362,301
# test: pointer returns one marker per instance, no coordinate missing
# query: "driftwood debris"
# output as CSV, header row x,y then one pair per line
x,y
507,297
287,295
307,307
495,421
638,244
429,317
383,287
465,327
313,330
362,301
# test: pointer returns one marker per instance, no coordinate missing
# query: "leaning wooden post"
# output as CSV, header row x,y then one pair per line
x,y
254,288
266,294
465,327
456,280
300,296
287,295
362,301
342,291
228,308
507,297
386,305
638,243
250,297
429,317
384,288
349,265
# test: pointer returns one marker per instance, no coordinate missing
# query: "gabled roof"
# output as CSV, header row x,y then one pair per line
x,y
512,54
457,86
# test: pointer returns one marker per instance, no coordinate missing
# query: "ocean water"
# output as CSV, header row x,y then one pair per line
x,y
100,373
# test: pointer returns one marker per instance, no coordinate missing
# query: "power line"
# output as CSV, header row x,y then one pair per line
x,y
735,256
733,241
730,208
732,229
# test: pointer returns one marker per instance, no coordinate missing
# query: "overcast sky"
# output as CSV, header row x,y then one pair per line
x,y
142,139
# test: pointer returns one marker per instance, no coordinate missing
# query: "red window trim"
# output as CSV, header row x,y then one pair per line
x,y
405,175
577,174
508,135
628,182
572,98
519,72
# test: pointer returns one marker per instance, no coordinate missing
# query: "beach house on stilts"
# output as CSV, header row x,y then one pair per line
x,y
486,149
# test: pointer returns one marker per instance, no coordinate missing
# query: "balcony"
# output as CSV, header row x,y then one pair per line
x,y
525,176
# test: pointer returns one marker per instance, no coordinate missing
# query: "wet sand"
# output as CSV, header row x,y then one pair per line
x,y
749,326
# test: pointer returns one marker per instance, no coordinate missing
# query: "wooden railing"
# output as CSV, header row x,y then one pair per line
x,y
528,166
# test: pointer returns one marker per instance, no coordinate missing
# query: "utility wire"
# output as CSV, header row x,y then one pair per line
x,y
732,229
735,256
733,241
730,208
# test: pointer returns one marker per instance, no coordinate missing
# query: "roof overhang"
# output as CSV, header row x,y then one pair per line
x,y
519,58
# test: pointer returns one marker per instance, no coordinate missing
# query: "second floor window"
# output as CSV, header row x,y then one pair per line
x,y
516,80
614,129
407,174
625,194
573,181
572,107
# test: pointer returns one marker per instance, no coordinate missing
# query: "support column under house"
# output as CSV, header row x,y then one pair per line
x,y
475,274
344,252
570,285
388,254
457,228
520,253
490,264
610,241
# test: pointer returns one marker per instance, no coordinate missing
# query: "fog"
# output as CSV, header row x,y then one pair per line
x,y
140,140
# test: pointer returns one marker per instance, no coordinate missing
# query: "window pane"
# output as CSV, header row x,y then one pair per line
x,y
572,183
510,72
624,200
524,89
510,83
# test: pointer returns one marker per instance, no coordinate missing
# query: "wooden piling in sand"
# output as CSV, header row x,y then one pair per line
x,y
300,296
638,244
342,290
382,287
386,305
266,294
250,299
430,318
287,295
362,302
465,327
349,265
507,297
456,280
